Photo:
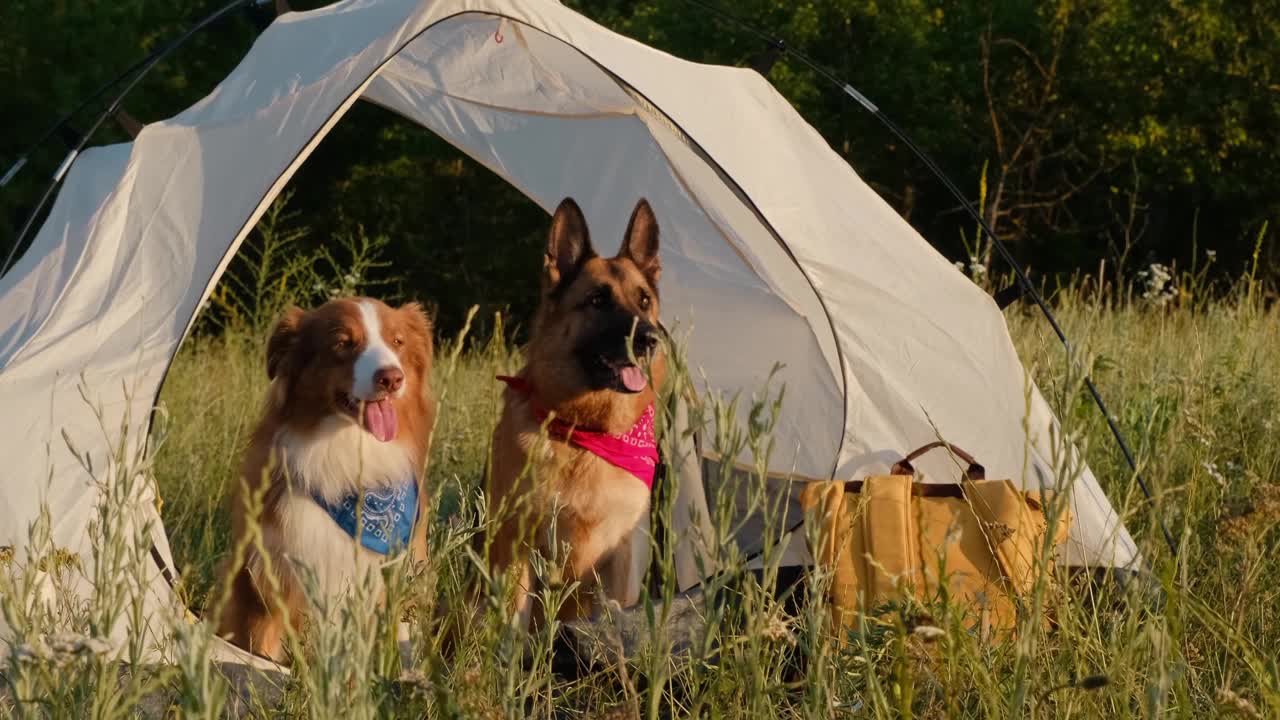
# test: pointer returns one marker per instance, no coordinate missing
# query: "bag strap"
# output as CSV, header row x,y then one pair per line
x,y
904,466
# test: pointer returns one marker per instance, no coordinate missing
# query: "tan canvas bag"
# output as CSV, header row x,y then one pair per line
x,y
889,536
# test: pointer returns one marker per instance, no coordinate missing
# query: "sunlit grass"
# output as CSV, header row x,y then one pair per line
x,y
1196,387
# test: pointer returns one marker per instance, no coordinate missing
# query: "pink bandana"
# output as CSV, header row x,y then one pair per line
x,y
636,451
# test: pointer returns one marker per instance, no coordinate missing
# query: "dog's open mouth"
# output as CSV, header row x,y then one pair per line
x,y
632,378
621,376
378,417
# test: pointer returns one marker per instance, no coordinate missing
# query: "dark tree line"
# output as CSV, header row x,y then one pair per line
x,y
1131,131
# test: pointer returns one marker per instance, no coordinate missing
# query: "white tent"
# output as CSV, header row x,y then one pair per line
x,y
773,249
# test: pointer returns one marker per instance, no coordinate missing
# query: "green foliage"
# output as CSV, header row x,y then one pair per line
x,y
1109,129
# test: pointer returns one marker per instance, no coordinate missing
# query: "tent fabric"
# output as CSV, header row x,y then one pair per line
x,y
774,250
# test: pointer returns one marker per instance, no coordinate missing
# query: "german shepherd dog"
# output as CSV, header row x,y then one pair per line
x,y
596,319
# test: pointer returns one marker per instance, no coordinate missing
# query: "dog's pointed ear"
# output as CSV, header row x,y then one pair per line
x,y
282,340
641,242
568,245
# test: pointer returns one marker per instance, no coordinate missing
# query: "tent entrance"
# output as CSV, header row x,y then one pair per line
x,y
552,123
547,119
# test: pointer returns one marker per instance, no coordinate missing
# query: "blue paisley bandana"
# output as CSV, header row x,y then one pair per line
x,y
386,521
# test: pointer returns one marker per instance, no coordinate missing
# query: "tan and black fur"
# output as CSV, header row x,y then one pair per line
x,y
591,308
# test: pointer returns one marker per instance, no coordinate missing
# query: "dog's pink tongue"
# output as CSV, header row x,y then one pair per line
x,y
380,419
633,378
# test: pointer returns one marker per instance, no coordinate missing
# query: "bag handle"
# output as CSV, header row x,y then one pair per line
x,y
904,466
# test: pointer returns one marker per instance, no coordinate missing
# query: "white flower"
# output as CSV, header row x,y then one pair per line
x,y
958,265
37,649
1212,469
778,630
62,648
1157,286
73,644
1211,254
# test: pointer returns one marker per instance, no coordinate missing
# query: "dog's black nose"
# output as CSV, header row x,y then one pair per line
x,y
389,379
646,339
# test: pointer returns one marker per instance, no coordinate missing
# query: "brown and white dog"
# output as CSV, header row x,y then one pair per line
x,y
590,479
347,417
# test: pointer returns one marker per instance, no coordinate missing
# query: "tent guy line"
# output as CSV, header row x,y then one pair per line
x,y
1023,283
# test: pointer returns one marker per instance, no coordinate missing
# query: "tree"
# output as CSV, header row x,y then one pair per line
x,y
1113,129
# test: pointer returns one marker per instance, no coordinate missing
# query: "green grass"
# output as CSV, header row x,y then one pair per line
x,y
1195,385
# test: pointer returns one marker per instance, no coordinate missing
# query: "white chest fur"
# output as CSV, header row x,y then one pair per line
x,y
335,460
339,458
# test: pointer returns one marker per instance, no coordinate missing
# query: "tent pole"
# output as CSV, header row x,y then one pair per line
x,y
1020,275
134,74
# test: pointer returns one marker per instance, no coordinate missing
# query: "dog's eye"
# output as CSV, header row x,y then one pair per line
x,y
645,301
399,342
599,298
343,344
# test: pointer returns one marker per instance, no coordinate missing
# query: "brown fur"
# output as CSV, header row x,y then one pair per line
x,y
599,504
309,368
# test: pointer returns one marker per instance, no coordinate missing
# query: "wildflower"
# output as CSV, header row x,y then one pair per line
x,y
35,650
1158,287
413,676
997,531
61,648
73,644
958,265
778,630
1212,469
1211,254
929,633
1230,699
